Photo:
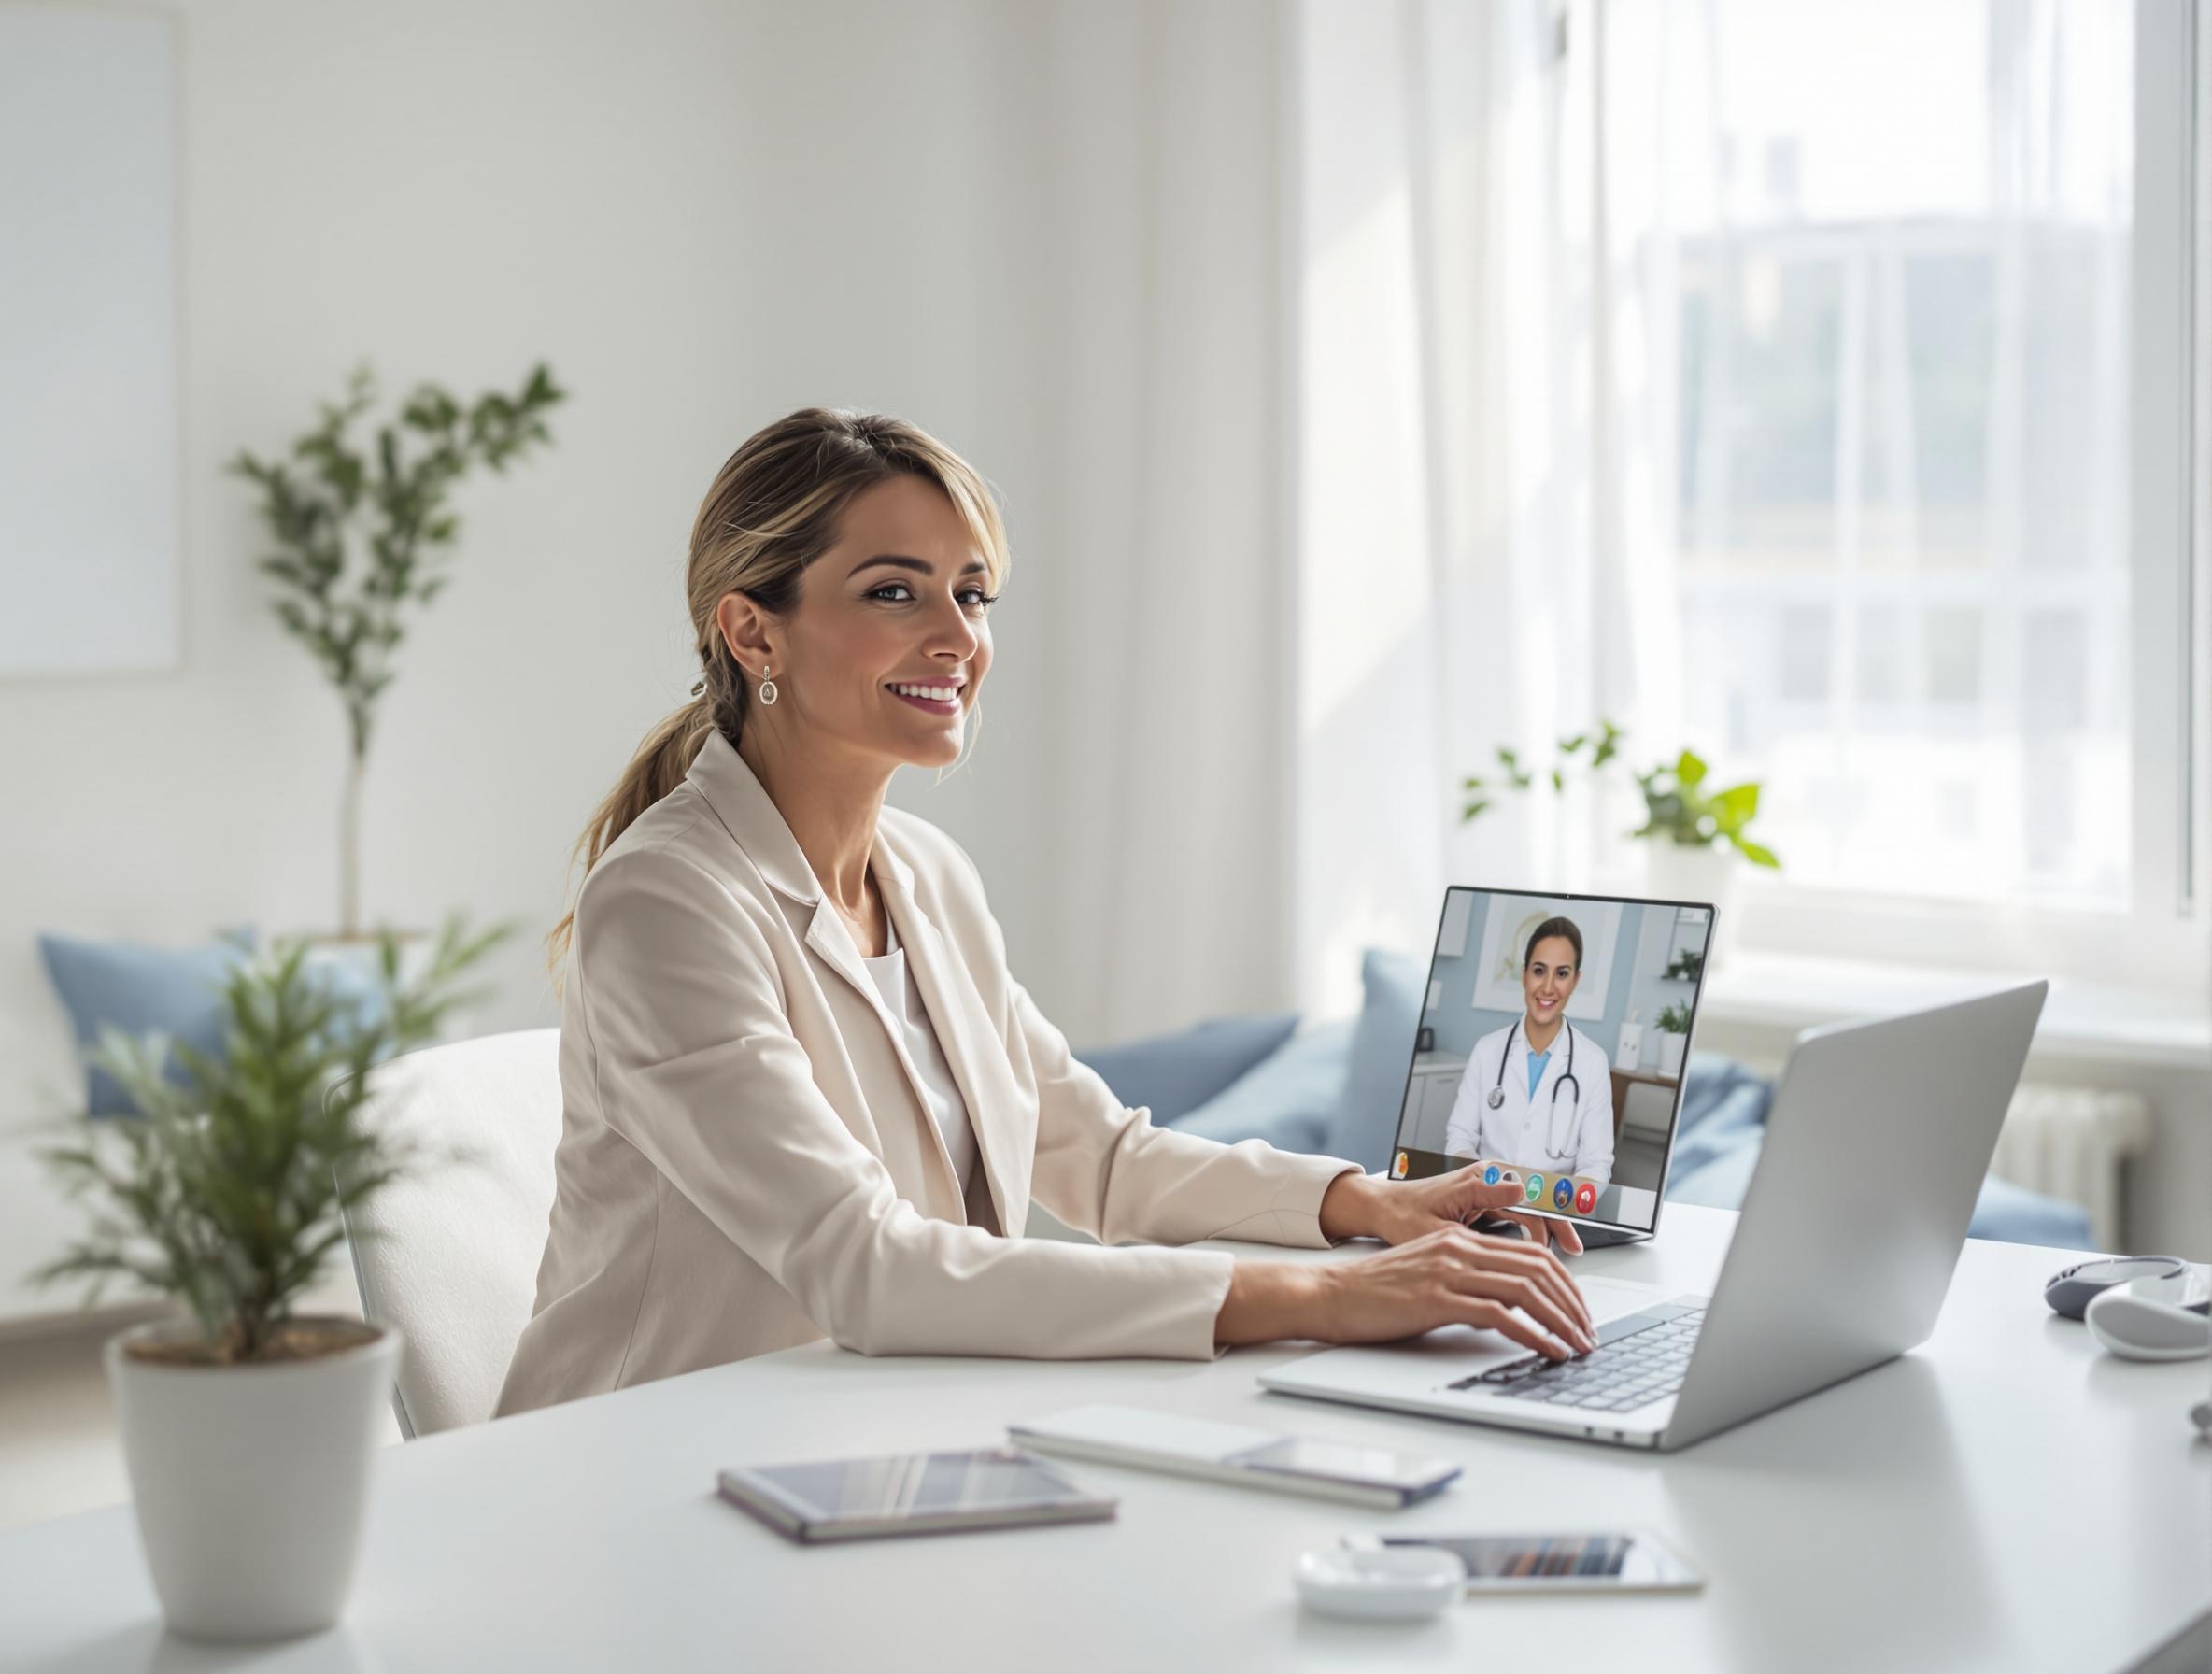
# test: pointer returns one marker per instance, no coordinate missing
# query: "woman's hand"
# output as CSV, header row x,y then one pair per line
x,y
1400,1210
1448,1277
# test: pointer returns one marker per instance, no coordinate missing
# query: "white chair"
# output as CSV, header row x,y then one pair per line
x,y
448,1253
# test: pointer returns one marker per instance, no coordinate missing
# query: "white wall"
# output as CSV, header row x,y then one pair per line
x,y
987,218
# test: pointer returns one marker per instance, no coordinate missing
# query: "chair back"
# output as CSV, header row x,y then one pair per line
x,y
448,1251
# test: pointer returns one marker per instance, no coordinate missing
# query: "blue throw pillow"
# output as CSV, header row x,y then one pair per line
x,y
351,974
1365,1120
1287,1099
141,988
1722,1103
1171,1074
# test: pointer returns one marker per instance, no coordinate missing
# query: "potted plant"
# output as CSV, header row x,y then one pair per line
x,y
1674,1035
249,1430
1690,828
362,539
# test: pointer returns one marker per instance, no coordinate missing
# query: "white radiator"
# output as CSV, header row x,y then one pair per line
x,y
2071,1142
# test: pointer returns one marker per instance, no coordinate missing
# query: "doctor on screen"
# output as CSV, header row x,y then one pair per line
x,y
1538,1093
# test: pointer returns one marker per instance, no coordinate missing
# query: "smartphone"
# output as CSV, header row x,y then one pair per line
x,y
1618,1561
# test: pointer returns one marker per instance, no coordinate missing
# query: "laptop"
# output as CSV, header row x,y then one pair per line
x,y
1876,1147
1551,1049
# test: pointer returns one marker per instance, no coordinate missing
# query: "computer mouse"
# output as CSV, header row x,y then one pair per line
x,y
2139,1326
2072,1289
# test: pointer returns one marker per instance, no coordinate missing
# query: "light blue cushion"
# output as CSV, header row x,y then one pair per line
x,y
351,974
1288,1099
1721,1103
1171,1074
140,988
2017,1215
1366,1118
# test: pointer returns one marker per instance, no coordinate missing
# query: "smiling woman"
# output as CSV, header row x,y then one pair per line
x,y
809,483
804,1096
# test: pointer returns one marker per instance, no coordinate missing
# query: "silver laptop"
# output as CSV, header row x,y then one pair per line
x,y
1876,1147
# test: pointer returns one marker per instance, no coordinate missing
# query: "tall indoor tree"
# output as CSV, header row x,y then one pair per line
x,y
362,538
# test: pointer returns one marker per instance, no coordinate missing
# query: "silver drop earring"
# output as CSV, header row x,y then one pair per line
x,y
767,685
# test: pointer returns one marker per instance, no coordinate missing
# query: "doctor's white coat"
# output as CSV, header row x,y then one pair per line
x,y
1520,1131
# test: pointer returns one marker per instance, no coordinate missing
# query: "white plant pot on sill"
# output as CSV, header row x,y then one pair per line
x,y
250,1483
1670,1054
1687,872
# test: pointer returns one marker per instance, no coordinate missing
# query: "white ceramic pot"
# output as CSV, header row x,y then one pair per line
x,y
1687,873
1670,1054
251,1482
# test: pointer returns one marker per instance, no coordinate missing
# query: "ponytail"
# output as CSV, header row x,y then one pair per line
x,y
657,768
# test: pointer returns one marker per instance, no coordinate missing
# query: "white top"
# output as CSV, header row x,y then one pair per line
x,y
917,1039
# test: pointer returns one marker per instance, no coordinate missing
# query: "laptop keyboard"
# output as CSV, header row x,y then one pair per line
x,y
1638,1359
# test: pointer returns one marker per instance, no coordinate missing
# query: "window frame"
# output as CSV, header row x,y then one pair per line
x,y
2163,939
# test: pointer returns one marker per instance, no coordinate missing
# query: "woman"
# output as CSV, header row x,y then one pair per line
x,y
1538,1093
803,1093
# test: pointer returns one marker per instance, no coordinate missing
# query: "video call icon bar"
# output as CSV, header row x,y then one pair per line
x,y
1561,1192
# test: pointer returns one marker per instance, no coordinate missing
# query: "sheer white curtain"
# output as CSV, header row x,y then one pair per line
x,y
1128,800
1482,458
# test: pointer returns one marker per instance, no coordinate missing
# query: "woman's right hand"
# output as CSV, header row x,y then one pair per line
x,y
1455,1277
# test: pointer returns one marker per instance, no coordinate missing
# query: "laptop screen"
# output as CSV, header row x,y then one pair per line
x,y
1551,1047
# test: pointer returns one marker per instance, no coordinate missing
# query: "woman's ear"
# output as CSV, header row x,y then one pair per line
x,y
748,632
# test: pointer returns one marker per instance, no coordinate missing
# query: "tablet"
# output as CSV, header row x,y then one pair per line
x,y
910,1494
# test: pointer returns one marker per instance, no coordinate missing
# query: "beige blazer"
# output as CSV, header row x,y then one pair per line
x,y
747,1162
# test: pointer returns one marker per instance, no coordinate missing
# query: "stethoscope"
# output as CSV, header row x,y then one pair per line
x,y
1498,1088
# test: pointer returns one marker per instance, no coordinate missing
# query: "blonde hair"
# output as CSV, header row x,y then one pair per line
x,y
775,507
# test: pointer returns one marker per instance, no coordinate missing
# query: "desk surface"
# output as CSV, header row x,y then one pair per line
x,y
2004,1497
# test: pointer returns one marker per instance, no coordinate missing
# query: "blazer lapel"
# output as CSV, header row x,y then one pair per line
x,y
743,804
965,1030
970,1038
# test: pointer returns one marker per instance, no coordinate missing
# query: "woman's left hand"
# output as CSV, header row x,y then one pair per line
x,y
1400,1210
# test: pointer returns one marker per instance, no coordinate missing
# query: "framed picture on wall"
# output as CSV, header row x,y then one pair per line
x,y
1506,929
88,455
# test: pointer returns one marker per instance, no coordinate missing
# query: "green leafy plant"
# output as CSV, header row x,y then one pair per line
x,y
1678,807
227,1192
1675,1020
1686,966
1603,746
363,537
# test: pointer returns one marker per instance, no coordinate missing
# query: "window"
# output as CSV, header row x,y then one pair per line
x,y
1902,461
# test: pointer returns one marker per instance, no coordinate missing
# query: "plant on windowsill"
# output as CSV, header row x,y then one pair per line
x,y
359,539
1689,828
1686,966
1678,807
249,1430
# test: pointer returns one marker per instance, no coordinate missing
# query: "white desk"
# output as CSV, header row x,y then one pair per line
x,y
2004,1497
